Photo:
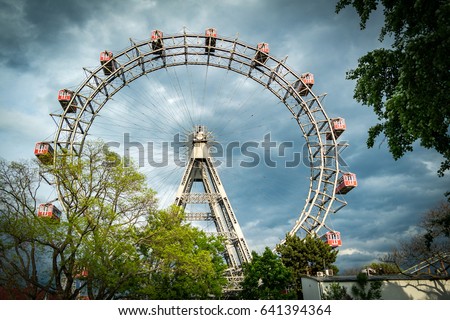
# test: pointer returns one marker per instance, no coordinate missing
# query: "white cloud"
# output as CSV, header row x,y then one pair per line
x,y
352,251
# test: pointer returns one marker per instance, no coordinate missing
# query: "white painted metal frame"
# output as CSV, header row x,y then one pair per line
x,y
200,169
230,54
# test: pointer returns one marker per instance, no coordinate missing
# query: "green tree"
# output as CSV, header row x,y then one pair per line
x,y
383,268
104,205
266,278
365,289
19,252
105,244
306,256
407,85
336,292
185,262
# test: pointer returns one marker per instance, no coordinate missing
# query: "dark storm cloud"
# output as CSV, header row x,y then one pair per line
x,y
28,26
15,33
389,201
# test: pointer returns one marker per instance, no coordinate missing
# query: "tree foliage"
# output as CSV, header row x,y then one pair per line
x,y
266,278
18,227
365,289
336,292
382,268
407,85
306,256
185,262
110,242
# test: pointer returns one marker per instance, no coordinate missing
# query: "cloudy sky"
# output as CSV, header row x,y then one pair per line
x,y
45,45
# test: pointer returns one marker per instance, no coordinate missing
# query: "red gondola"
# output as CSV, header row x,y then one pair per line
x,y
210,40
338,126
44,152
307,82
346,183
83,273
48,210
80,284
262,53
108,63
211,32
333,238
157,41
64,97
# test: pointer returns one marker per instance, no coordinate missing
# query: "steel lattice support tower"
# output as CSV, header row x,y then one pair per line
x,y
200,169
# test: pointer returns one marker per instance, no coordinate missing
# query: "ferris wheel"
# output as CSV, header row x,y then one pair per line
x,y
327,181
